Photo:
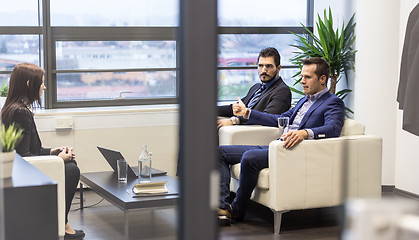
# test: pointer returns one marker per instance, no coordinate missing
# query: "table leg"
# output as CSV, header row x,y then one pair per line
x,y
81,196
126,225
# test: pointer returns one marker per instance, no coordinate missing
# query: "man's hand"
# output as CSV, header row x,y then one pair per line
x,y
239,108
224,122
294,137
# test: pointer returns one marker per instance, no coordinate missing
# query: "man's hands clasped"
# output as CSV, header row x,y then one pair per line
x,y
239,108
224,122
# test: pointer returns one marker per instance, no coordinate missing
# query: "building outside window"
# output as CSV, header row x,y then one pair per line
x,y
107,53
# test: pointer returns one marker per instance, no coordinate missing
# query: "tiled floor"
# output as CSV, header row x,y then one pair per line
x,y
105,221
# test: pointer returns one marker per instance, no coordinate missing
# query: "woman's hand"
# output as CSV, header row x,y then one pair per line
x,y
67,154
56,151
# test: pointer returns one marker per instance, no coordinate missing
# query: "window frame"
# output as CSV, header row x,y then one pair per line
x,y
48,36
106,34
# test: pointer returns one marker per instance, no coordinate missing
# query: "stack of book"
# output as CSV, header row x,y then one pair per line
x,y
150,189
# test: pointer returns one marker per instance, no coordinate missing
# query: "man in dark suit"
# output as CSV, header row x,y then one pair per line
x,y
318,115
272,95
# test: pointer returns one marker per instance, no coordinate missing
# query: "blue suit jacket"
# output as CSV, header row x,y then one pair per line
x,y
325,117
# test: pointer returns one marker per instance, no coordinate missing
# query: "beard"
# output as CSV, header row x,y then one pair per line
x,y
267,77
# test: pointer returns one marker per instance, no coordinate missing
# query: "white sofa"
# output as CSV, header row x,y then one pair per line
x,y
53,167
311,175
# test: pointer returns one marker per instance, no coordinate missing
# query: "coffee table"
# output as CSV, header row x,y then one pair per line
x,y
107,186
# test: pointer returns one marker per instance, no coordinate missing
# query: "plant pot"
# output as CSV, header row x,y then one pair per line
x,y
6,161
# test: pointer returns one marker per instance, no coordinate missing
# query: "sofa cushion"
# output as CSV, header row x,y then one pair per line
x,y
263,180
352,127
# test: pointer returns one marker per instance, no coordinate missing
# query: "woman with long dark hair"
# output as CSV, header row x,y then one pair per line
x,y
26,86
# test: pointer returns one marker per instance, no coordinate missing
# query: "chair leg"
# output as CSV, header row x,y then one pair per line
x,y
277,220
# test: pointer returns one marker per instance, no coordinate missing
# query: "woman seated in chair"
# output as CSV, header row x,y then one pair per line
x,y
25,91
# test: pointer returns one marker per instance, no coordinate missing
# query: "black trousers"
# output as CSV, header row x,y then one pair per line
x,y
72,176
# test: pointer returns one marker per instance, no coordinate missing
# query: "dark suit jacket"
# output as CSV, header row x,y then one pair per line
x,y
31,143
407,95
276,100
325,117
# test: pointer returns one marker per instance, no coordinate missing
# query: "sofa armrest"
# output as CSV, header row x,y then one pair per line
x,y
310,175
53,167
247,135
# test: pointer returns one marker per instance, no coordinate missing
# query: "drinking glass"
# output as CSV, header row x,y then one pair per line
x,y
283,125
122,170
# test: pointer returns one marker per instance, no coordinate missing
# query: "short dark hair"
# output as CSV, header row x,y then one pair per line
x,y
271,52
322,67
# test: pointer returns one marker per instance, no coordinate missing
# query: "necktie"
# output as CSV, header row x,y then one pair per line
x,y
256,96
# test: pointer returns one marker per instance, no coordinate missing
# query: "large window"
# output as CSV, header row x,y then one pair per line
x,y
268,13
149,70
246,27
106,13
104,53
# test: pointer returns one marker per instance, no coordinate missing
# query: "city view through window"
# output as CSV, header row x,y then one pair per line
x,y
91,69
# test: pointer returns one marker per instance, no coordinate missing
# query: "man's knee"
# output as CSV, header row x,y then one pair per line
x,y
222,152
249,159
253,159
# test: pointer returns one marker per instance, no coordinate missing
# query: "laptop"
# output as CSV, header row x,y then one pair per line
x,y
112,156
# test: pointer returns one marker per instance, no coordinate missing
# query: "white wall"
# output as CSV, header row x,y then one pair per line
x,y
407,160
380,35
121,128
376,77
375,81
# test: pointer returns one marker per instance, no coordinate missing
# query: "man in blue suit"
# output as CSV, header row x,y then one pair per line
x,y
319,114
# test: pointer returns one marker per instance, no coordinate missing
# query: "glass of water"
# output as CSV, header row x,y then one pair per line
x,y
122,170
283,125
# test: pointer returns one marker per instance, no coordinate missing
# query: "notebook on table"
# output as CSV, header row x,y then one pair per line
x,y
112,156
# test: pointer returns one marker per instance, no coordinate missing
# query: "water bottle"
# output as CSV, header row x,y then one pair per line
x,y
144,166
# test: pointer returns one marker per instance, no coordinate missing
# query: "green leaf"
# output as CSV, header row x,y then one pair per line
x,y
296,90
335,46
10,137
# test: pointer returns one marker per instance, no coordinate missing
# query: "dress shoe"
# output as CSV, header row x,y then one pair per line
x,y
235,216
224,212
79,234
224,217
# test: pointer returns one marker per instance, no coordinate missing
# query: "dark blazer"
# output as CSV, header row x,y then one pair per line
x,y
325,117
407,94
31,143
276,100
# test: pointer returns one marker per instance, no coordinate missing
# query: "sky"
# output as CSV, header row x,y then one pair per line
x,y
243,11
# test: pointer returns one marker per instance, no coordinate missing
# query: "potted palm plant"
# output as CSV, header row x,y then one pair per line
x,y
335,46
10,137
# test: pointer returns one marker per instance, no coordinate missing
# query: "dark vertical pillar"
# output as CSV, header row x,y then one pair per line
x,y
197,97
2,227
47,54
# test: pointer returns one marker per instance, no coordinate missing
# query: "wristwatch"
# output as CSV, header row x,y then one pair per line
x,y
247,114
233,120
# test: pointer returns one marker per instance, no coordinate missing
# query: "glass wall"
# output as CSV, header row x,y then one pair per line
x,y
156,13
270,13
98,53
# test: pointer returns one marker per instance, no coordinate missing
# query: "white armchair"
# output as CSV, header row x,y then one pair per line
x,y
311,174
53,167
